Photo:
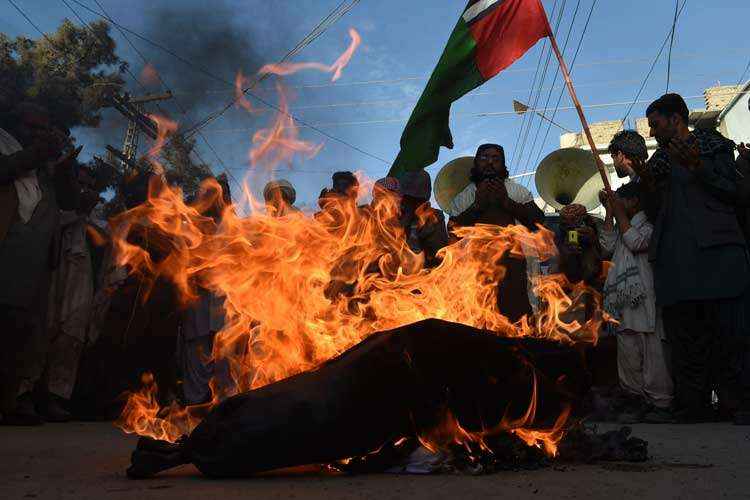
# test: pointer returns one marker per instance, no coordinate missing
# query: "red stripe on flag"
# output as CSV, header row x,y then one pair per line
x,y
507,33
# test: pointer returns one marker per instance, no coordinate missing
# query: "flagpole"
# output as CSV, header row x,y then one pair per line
x,y
577,104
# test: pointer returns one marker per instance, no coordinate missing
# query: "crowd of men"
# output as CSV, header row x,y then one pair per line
x,y
676,235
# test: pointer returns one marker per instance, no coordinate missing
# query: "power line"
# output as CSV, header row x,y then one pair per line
x,y
327,22
197,131
557,73
28,19
179,106
671,42
339,11
169,51
653,65
541,83
200,69
484,114
163,83
742,77
525,118
139,83
90,29
49,40
481,93
393,81
562,91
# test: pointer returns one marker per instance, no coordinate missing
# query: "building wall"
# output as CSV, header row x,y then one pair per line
x,y
735,124
718,98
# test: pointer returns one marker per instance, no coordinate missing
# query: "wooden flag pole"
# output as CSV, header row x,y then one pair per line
x,y
577,103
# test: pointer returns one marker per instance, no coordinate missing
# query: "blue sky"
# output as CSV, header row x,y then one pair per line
x,y
401,43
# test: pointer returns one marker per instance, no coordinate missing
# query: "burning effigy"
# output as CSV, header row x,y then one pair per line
x,y
339,341
437,382
407,352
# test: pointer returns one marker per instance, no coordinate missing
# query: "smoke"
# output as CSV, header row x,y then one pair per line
x,y
209,36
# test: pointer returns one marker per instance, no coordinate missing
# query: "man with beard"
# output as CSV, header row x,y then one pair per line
x,y
493,198
699,256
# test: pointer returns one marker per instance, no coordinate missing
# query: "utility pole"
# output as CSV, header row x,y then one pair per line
x,y
132,108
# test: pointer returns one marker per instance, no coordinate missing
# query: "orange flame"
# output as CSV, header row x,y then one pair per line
x,y
450,432
283,69
165,128
149,75
95,236
300,290
280,142
547,439
240,82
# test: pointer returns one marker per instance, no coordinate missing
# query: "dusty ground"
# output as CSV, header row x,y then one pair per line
x,y
88,461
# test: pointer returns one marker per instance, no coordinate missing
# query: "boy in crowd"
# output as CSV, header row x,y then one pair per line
x,y
629,297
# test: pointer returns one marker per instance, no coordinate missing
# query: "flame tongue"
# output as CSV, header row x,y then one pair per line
x,y
280,142
283,69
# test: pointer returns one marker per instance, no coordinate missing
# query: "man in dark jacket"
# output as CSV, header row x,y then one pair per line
x,y
36,181
743,170
699,256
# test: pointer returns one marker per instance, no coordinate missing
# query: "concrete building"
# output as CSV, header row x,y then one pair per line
x,y
734,120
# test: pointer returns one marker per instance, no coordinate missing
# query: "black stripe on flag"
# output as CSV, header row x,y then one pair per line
x,y
476,11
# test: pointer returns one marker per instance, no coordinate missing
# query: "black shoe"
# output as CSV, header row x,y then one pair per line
x,y
151,457
54,411
24,414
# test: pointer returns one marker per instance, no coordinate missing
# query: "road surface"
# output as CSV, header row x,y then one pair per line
x,y
88,461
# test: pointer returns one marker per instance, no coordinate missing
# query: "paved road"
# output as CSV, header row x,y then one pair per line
x,y
81,461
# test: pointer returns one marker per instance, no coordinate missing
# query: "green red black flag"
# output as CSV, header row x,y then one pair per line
x,y
489,37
